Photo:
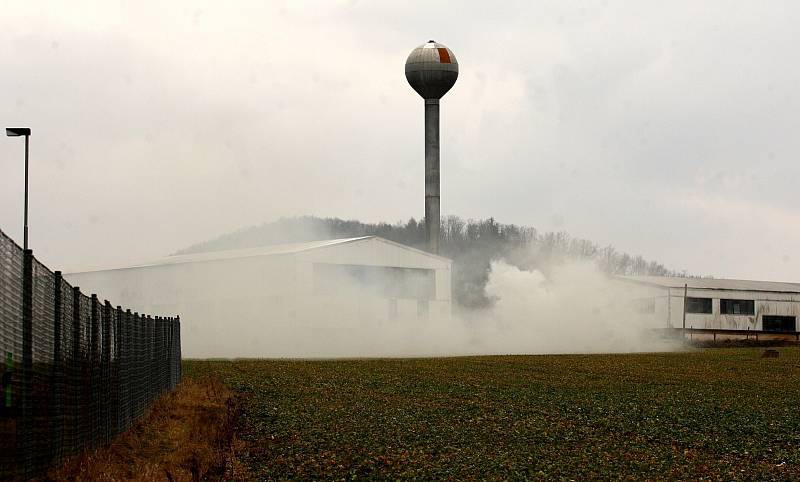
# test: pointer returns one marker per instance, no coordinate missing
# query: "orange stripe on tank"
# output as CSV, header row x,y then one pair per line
x,y
444,56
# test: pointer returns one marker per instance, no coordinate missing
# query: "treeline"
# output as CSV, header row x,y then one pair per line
x,y
472,244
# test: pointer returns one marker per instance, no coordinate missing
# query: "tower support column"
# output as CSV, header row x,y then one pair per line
x,y
432,222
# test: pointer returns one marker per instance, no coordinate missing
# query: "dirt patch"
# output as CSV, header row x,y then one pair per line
x,y
187,435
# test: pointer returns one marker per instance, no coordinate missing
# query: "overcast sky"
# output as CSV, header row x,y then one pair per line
x,y
668,129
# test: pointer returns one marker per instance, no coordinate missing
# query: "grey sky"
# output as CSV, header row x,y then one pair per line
x,y
664,128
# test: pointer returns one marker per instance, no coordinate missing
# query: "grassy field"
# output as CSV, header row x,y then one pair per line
x,y
718,413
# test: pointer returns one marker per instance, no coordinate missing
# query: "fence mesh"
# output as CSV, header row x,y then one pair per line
x,y
76,371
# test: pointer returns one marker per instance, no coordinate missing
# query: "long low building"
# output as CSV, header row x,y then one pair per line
x,y
282,300
720,303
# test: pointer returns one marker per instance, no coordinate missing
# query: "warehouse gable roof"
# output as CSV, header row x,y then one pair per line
x,y
269,250
715,284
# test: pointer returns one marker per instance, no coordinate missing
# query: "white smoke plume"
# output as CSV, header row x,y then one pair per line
x,y
576,310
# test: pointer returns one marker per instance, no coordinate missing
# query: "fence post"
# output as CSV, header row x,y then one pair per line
x,y
94,366
150,357
178,347
174,353
136,340
163,359
116,367
685,292
127,361
167,348
165,356
142,364
58,368
27,362
165,370
105,406
145,365
154,361
170,357
76,371
157,353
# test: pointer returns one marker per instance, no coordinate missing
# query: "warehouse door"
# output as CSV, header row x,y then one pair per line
x,y
779,323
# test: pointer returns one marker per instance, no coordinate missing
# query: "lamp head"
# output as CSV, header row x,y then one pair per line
x,y
18,131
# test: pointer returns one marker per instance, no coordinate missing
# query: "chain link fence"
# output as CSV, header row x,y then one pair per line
x,y
75,371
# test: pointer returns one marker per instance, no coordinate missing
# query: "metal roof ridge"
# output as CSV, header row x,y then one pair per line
x,y
220,254
411,248
266,250
664,282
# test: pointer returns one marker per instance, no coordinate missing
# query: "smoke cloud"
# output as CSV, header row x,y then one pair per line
x,y
575,309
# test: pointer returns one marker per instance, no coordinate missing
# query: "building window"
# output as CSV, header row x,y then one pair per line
x,y
778,323
423,307
698,305
737,307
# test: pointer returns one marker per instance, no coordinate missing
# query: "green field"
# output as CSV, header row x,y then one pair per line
x,y
718,413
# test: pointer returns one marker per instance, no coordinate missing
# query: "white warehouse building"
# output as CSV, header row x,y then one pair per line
x,y
279,300
720,304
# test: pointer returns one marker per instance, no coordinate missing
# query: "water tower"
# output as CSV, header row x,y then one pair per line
x,y
432,70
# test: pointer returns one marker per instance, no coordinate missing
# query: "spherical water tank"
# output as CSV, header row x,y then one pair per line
x,y
432,70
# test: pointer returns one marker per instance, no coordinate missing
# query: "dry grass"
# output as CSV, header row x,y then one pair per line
x,y
187,435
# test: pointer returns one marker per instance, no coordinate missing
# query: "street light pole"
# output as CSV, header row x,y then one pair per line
x,y
25,235
16,132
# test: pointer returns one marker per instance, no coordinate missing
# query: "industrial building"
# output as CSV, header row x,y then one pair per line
x,y
257,301
719,304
